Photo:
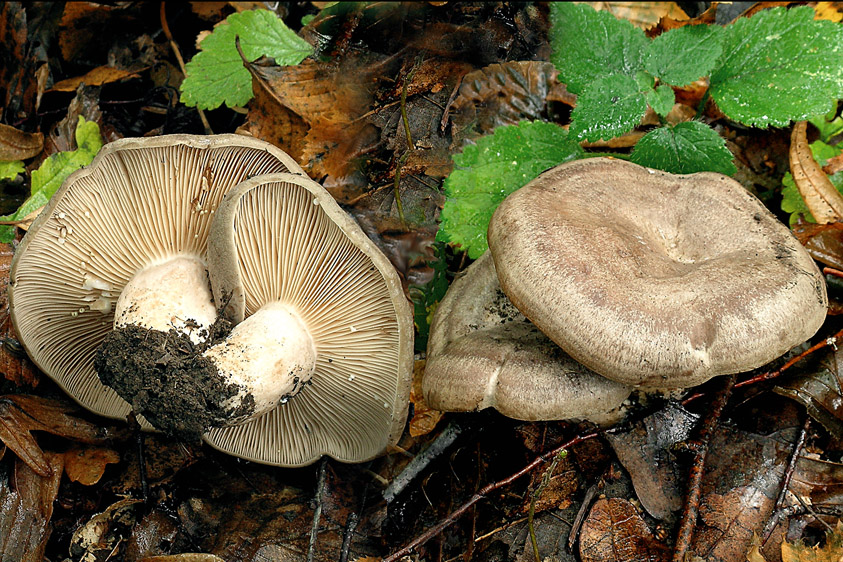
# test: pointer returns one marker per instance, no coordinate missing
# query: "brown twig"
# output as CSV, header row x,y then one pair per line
x,y
317,510
176,51
454,515
832,271
700,448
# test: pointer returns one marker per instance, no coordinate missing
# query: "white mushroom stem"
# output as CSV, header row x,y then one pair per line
x,y
270,356
170,294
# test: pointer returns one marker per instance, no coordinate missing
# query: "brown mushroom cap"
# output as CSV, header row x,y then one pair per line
x,y
484,353
654,279
140,202
281,239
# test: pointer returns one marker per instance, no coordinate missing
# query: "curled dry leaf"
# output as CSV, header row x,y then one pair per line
x,y
17,145
819,194
96,77
21,414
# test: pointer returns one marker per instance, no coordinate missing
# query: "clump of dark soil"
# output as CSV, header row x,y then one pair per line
x,y
165,378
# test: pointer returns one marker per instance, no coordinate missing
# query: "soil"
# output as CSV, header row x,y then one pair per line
x,y
165,378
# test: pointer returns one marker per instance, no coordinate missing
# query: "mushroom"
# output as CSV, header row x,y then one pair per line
x,y
653,279
122,244
322,348
484,353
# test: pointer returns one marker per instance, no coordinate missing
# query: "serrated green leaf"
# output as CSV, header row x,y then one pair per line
x,y
661,99
587,44
216,75
682,55
778,66
486,172
10,169
792,201
684,149
51,174
608,107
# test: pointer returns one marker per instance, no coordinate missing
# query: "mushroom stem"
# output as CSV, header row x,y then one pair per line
x,y
170,294
270,357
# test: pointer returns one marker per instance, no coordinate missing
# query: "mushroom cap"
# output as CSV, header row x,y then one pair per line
x,y
654,279
484,353
141,201
283,238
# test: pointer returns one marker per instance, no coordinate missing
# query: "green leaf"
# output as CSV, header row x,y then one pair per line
x,y
661,99
488,171
682,55
10,169
587,44
608,107
828,125
777,66
792,201
48,178
216,75
684,149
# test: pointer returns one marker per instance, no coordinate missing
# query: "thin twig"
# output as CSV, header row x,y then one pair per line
x,y
317,510
348,535
788,475
833,272
454,515
700,448
175,47
140,445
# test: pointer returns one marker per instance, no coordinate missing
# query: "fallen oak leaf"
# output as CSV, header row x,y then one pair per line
x,y
821,197
21,414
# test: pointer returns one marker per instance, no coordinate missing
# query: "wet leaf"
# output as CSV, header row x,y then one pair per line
x,y
496,166
821,197
608,107
18,145
823,241
48,178
648,452
682,55
26,507
822,395
216,75
615,530
778,66
582,62
685,148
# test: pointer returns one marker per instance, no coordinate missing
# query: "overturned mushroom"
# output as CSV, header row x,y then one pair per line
x,y
653,279
484,353
322,349
122,244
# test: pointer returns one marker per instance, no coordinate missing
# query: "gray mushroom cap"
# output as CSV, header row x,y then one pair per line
x,y
140,202
654,279
281,239
483,353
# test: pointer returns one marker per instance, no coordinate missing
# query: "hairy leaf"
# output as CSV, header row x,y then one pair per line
x,y
607,108
588,44
216,75
778,66
661,99
493,168
684,149
682,55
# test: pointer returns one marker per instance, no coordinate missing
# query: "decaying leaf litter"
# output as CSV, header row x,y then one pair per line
x,y
393,96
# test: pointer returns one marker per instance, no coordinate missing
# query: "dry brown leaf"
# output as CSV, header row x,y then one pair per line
x,y
615,530
185,557
425,418
22,414
96,77
86,465
642,14
831,551
829,11
823,241
17,145
821,197
14,364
